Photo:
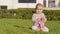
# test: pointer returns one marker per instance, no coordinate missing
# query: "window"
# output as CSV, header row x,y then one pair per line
x,y
59,4
51,3
26,1
44,3
3,7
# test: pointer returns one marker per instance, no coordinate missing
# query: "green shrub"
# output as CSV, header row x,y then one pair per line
x,y
52,14
27,14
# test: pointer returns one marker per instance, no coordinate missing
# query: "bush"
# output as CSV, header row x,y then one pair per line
x,y
16,13
52,14
27,14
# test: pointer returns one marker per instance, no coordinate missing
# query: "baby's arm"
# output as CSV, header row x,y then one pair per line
x,y
34,18
44,18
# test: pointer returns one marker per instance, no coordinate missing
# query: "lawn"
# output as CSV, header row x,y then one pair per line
x,y
22,26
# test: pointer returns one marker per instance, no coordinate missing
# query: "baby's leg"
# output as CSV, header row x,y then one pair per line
x,y
36,27
45,29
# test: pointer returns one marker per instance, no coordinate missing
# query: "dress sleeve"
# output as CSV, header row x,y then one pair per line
x,y
44,17
33,17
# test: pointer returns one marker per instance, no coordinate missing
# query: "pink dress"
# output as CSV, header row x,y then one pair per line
x,y
39,20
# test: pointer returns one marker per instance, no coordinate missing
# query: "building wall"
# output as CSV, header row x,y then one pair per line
x,y
56,3
13,4
8,3
29,5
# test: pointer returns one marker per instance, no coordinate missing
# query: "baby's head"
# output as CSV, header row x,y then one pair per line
x,y
38,8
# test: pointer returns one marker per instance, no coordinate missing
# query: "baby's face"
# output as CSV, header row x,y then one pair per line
x,y
39,9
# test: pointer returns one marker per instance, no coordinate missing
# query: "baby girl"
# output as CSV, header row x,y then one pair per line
x,y
39,19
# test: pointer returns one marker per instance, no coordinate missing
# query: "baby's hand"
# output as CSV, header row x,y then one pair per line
x,y
38,20
42,18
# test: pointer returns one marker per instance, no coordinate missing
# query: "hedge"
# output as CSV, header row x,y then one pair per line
x,y
27,14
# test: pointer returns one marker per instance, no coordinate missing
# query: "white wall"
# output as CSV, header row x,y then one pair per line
x,y
13,4
6,2
26,5
56,3
40,1
29,5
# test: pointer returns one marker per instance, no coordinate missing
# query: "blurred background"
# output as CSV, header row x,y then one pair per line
x,y
16,16
15,4
23,9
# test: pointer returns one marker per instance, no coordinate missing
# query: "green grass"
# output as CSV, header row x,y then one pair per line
x,y
20,26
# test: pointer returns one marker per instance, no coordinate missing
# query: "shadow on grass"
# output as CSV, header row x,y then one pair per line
x,y
18,26
21,27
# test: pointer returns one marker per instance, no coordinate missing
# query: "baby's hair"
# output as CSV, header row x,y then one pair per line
x,y
39,4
